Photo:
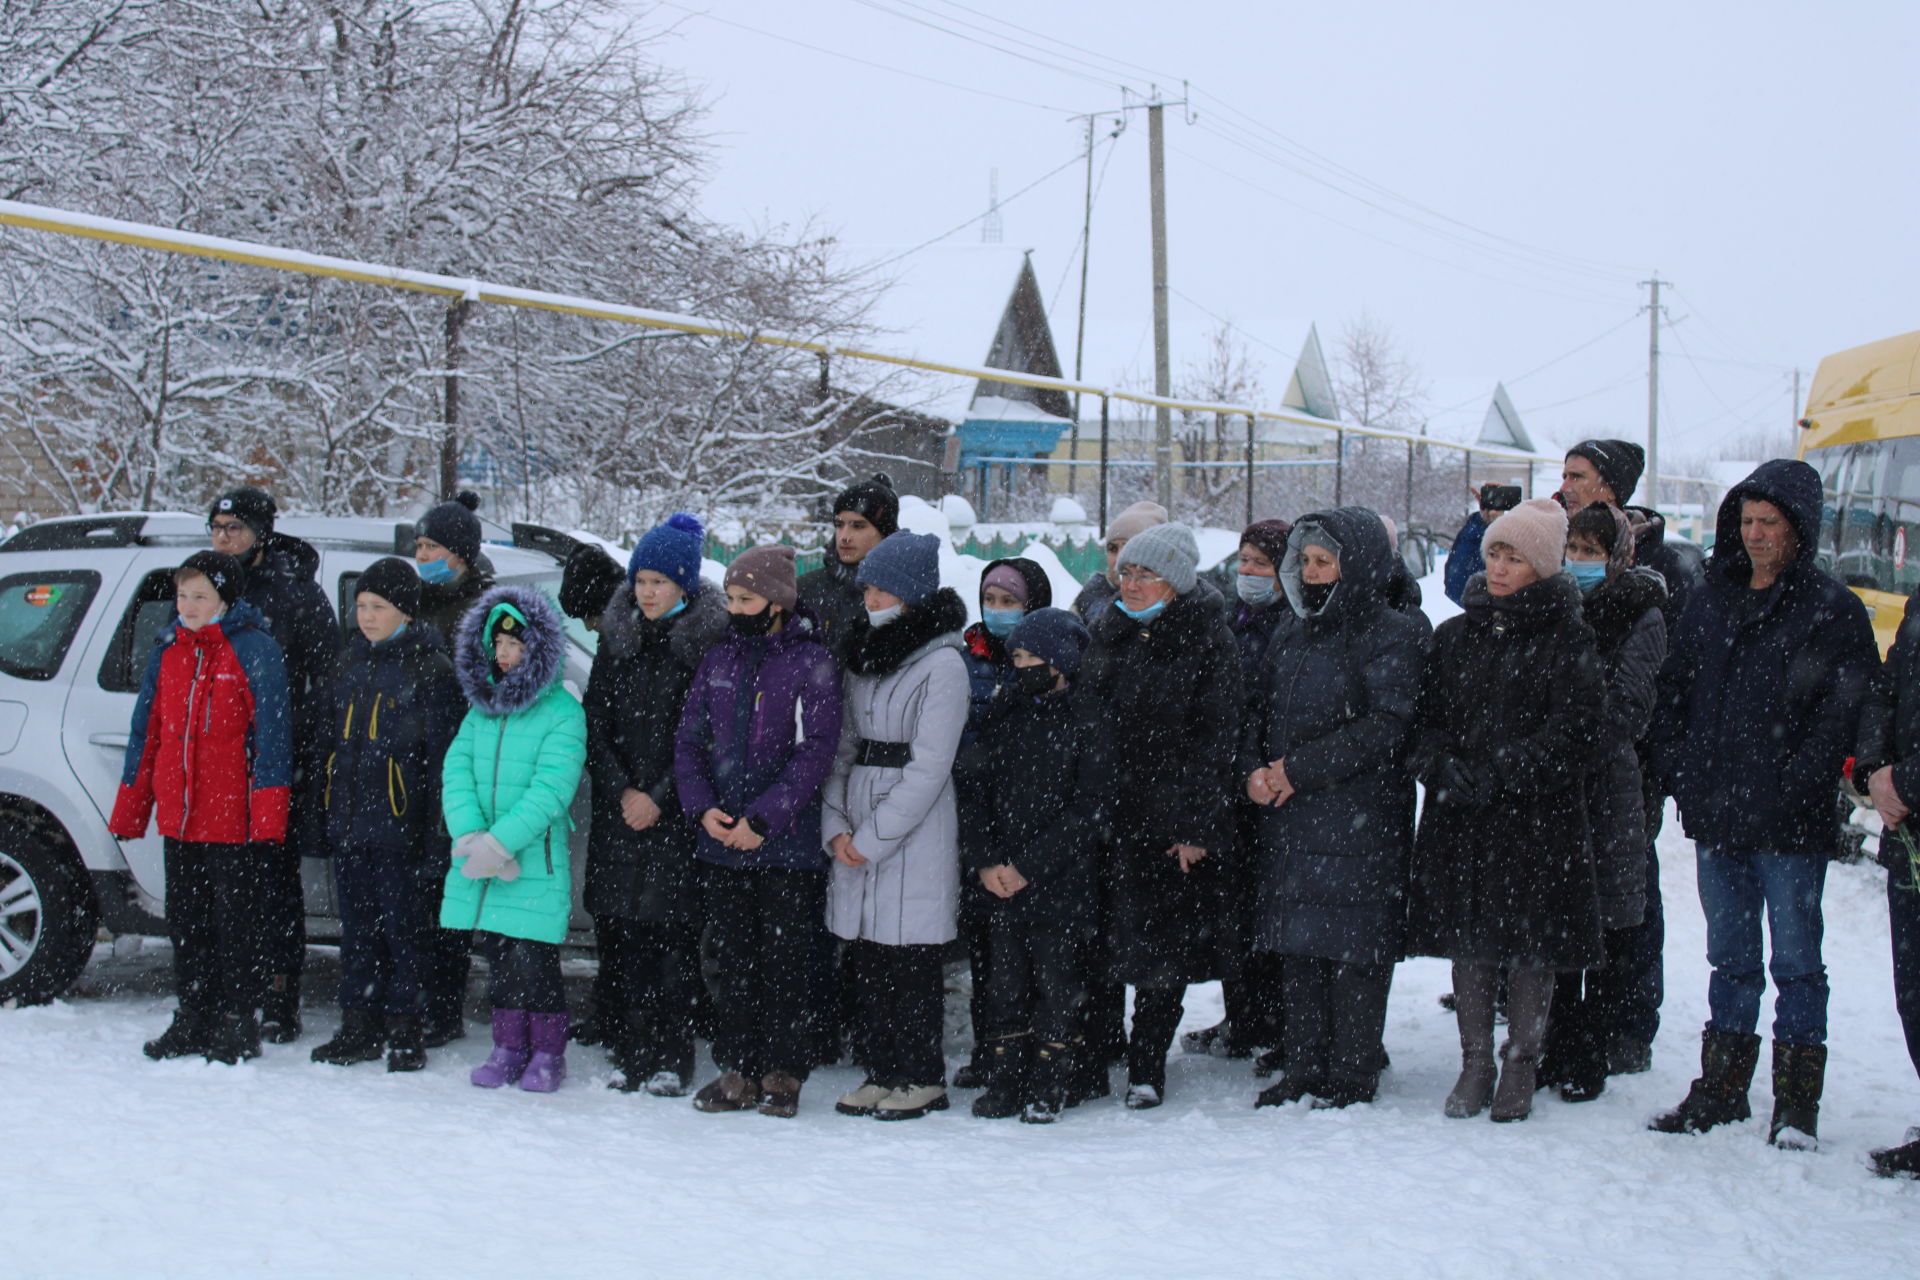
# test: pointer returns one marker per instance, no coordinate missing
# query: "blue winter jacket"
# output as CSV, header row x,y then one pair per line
x,y
1760,692
387,718
1465,558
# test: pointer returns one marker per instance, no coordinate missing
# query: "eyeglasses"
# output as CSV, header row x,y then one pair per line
x,y
1140,577
226,528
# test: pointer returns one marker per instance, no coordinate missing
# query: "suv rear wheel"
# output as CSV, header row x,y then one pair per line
x,y
47,917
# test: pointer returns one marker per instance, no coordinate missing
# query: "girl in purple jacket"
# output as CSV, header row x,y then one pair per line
x,y
755,743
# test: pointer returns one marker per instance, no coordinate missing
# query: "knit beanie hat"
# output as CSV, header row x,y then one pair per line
x,y
249,505
222,570
588,581
765,571
1537,529
1619,463
1054,636
395,581
1135,519
1166,549
904,564
874,501
1009,580
671,550
1268,537
454,526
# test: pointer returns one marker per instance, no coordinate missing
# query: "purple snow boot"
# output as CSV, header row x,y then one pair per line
x,y
548,1066
509,1058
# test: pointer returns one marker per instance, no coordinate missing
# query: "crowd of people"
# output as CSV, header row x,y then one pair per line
x,y
809,792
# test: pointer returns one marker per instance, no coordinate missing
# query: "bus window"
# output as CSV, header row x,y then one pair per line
x,y
1859,556
1900,515
1832,465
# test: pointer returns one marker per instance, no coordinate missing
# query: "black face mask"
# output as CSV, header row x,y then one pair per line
x,y
1314,594
752,624
1033,682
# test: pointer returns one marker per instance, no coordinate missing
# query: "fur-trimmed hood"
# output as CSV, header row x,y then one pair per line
x,y
874,651
690,633
545,640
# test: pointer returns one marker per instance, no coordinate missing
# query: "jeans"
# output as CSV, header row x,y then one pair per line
x,y
1733,890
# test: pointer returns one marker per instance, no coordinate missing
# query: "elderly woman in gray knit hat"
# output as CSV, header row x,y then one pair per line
x,y
1162,684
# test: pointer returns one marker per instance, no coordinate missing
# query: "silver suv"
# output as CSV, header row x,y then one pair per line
x,y
81,600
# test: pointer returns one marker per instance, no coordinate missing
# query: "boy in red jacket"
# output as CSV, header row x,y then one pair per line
x,y
211,749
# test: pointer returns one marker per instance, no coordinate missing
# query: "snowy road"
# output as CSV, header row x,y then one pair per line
x,y
118,1167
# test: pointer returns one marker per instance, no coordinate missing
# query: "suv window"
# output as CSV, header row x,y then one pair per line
x,y
39,614
146,614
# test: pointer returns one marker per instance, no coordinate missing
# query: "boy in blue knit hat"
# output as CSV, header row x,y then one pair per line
x,y
1028,837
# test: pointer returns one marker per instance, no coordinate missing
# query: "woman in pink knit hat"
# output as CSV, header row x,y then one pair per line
x,y
1505,741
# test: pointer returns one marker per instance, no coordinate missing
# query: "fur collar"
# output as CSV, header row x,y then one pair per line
x,y
624,630
874,651
526,684
1613,607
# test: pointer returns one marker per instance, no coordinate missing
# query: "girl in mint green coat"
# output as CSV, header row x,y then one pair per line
x,y
507,783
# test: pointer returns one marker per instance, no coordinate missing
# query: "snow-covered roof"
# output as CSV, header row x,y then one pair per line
x,y
944,303
1001,409
1476,411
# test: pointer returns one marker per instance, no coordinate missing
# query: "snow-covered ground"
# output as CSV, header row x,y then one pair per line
x,y
119,1167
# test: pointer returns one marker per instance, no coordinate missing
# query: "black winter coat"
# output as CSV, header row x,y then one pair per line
x,y
1512,690
1760,693
1032,801
443,604
1890,719
1403,596
836,600
283,585
1629,625
1335,699
989,665
1679,565
1164,703
635,694
391,711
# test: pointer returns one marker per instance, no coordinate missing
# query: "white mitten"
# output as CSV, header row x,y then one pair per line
x,y
486,857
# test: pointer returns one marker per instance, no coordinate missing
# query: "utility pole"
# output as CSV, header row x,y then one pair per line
x,y
1653,390
1162,358
1080,333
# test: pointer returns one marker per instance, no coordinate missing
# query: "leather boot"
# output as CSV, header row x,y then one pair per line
x,y
184,1037
1529,1000
234,1038
1799,1074
360,1039
510,1050
1473,1009
1049,1082
1719,1095
547,1064
405,1052
1007,1071
280,1010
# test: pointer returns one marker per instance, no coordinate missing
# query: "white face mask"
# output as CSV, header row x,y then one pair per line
x,y
877,618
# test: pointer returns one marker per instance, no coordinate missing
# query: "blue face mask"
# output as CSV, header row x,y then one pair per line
x,y
1588,573
397,633
678,609
1001,622
1254,589
435,571
1147,614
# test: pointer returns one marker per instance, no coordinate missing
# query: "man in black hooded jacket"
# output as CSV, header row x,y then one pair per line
x,y
282,583
1758,701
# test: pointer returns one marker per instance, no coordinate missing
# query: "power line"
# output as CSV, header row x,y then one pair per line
x,y
878,7
1569,354
865,62
978,217
1080,237
1634,376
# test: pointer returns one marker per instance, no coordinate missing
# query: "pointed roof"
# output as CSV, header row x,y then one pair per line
x,y
1477,411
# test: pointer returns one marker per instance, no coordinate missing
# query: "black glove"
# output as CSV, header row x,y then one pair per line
x,y
1456,782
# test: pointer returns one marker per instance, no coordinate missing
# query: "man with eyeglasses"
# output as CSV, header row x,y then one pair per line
x,y
281,582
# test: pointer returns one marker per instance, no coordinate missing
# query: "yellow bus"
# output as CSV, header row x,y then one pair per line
x,y
1862,433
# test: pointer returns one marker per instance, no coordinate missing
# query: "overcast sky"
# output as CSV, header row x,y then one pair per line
x,y
1490,180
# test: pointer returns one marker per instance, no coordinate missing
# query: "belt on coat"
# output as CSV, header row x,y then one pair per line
x,y
883,755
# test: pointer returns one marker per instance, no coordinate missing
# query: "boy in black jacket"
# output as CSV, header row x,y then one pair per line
x,y
1027,843
394,706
